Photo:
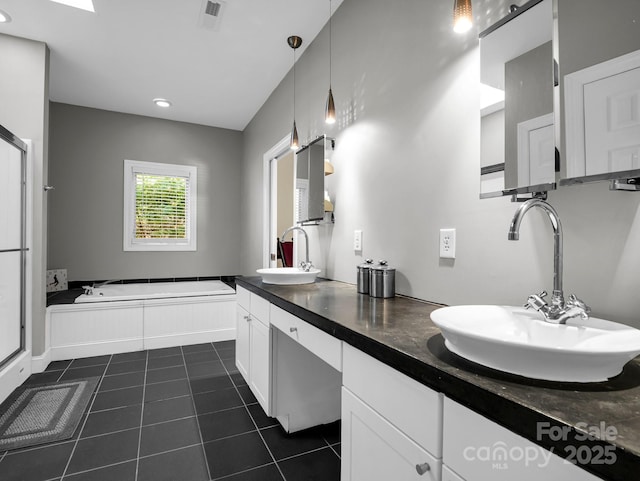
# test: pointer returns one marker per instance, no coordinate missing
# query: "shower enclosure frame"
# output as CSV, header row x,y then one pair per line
x,y
11,139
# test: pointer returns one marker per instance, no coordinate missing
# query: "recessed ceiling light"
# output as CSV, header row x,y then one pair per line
x,y
162,103
4,17
81,4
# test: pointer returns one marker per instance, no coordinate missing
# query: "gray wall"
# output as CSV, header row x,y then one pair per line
x,y
88,147
406,164
24,97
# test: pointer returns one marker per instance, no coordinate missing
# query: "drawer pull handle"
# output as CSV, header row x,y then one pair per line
x,y
247,318
422,468
293,329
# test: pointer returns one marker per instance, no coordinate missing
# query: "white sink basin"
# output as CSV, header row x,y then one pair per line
x,y
288,275
518,341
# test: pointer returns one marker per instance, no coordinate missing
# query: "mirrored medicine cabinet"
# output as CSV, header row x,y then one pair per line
x,y
309,180
517,77
560,86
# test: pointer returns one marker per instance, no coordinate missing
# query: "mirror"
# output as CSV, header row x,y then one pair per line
x,y
517,78
599,52
310,181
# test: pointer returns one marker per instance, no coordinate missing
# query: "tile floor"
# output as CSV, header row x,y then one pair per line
x,y
175,414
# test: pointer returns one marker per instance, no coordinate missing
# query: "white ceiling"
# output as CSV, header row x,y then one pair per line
x,y
132,51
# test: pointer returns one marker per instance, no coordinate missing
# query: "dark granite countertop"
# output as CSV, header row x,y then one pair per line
x,y
399,332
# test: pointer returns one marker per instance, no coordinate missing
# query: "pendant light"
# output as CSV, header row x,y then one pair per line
x,y
294,42
330,109
462,16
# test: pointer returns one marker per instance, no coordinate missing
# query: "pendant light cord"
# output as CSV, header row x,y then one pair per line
x,y
330,44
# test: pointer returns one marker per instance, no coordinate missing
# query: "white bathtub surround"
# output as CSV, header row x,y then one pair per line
x,y
163,319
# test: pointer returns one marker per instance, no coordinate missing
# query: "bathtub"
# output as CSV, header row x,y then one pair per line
x,y
133,317
155,290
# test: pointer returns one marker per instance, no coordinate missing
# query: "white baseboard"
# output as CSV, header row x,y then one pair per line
x,y
14,374
186,339
40,363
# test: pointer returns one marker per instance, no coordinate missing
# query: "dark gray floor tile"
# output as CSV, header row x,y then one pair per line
x,y
21,466
205,369
322,465
58,365
43,378
225,423
129,356
224,344
337,448
167,361
197,348
202,356
90,361
237,379
118,398
117,472
166,390
183,464
119,419
165,351
217,400
212,383
284,445
237,453
124,367
230,365
162,437
168,409
104,450
264,473
260,418
229,353
246,394
82,372
119,381
166,374
331,432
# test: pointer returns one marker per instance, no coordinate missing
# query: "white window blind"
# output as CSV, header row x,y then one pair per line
x,y
159,206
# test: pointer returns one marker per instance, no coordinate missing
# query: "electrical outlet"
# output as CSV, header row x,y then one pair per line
x,y
357,240
448,243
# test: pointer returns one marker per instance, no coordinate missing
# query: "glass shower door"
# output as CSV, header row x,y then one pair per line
x,y
12,245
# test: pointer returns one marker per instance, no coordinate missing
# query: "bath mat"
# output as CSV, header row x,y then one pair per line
x,y
43,413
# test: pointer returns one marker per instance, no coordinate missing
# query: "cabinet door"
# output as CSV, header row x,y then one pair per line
x,y
243,322
260,365
375,450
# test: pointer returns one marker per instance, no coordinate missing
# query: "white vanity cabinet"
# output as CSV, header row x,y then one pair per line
x,y
391,424
253,345
477,449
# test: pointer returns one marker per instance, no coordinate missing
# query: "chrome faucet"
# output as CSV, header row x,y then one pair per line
x,y
88,290
305,265
559,311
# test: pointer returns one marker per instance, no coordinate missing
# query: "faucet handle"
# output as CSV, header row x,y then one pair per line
x,y
536,301
579,303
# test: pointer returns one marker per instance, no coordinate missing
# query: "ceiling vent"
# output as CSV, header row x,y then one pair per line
x,y
211,14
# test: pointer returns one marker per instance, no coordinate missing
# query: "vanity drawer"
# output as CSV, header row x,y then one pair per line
x,y
410,406
260,308
323,345
243,298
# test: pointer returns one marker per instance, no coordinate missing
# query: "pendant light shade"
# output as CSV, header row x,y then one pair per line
x,y
330,108
462,16
294,42
294,143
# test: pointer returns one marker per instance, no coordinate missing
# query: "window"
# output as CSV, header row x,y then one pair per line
x,y
159,206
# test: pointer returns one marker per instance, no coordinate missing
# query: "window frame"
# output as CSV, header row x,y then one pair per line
x,y
134,167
